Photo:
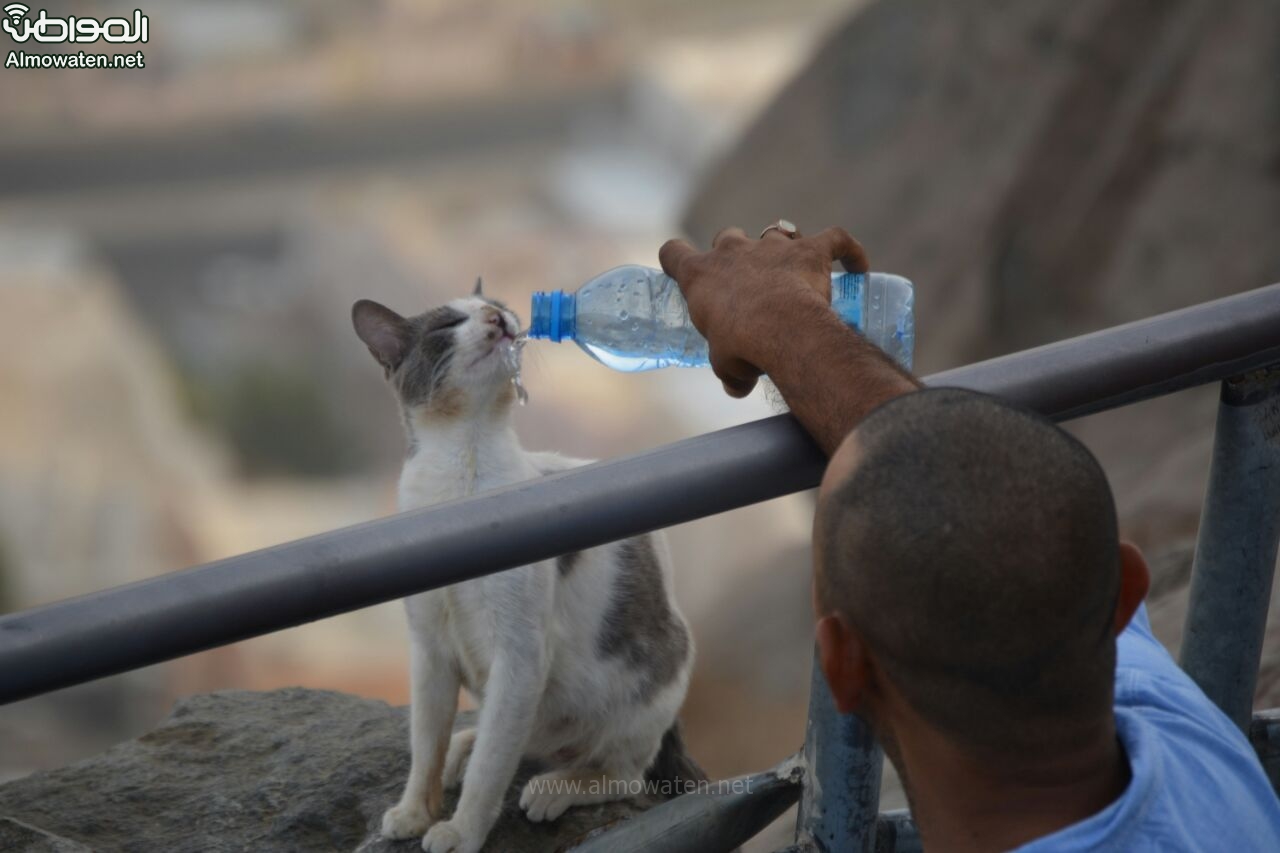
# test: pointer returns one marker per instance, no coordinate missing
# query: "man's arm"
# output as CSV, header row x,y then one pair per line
x,y
764,306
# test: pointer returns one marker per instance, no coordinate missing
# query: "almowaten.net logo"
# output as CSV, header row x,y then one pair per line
x,y
42,28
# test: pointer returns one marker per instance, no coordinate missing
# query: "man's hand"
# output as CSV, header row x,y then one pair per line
x,y
764,306
743,293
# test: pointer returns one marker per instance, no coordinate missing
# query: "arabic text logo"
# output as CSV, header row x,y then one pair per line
x,y
72,29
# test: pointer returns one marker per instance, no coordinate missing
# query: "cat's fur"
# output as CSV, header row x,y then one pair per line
x,y
581,662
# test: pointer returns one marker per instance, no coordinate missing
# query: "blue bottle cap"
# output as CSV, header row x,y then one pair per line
x,y
552,316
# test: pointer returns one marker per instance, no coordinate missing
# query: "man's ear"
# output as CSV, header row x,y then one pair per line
x,y
843,658
1135,580
384,331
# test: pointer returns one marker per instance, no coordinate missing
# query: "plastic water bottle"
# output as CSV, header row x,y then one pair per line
x,y
635,318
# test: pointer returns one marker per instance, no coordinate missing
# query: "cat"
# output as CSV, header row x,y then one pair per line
x,y
580,662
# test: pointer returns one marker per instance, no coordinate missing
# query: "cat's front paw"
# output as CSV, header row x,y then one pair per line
x,y
449,837
545,797
406,820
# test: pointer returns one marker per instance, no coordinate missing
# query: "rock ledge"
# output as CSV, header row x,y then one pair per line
x,y
286,770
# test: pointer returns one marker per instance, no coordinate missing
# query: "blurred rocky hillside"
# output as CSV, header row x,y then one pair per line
x,y
1039,169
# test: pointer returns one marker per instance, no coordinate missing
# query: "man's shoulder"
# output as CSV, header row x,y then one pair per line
x,y
1153,692
1191,788
1196,773
1202,785
1151,684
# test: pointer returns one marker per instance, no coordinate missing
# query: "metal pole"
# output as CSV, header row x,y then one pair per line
x,y
1137,361
841,798
154,620
1236,548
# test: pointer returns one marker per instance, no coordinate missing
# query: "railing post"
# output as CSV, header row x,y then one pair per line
x,y
841,798
1236,547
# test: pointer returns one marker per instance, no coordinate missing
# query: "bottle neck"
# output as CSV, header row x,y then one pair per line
x,y
554,316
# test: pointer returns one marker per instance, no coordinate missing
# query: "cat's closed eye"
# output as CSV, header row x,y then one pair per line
x,y
447,323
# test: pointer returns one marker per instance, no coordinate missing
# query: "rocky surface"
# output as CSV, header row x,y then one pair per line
x,y
16,835
286,770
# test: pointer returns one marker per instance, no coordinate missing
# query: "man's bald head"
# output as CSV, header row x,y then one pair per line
x,y
974,547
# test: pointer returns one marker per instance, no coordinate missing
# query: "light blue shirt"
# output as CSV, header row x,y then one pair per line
x,y
1197,784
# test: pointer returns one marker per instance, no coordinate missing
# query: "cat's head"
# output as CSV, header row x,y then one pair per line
x,y
448,362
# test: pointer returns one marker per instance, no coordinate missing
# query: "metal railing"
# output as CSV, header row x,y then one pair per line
x,y
1231,340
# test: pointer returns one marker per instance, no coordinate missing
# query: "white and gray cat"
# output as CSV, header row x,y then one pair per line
x,y
581,662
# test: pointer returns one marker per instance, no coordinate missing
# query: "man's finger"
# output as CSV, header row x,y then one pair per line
x,y
674,253
737,376
727,237
838,245
739,386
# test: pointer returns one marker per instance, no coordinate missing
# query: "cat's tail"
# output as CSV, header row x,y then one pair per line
x,y
674,765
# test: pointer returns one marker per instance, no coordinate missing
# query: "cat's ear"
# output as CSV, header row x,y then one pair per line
x,y
384,331
478,290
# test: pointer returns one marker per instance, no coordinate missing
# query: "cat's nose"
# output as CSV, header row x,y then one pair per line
x,y
492,317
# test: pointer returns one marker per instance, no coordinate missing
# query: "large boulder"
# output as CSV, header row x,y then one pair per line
x,y
1038,168
286,770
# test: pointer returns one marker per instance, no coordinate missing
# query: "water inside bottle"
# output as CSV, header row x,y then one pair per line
x,y
644,326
